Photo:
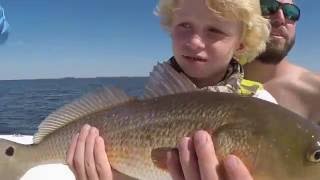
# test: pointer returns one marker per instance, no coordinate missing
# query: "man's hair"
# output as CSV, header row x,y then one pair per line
x,y
256,28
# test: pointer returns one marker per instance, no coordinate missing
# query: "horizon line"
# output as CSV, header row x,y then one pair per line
x,y
60,78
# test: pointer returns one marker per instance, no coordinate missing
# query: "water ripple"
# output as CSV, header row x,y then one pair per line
x,y
25,103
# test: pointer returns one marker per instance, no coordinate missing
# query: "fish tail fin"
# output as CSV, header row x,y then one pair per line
x,y
15,159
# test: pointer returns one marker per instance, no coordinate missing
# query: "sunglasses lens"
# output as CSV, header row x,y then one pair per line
x,y
291,11
269,7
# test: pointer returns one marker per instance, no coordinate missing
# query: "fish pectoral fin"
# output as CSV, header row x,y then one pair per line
x,y
160,156
119,175
165,80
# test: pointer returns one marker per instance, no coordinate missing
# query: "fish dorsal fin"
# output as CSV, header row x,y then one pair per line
x,y
165,80
95,101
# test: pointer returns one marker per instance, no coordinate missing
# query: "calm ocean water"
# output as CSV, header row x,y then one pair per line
x,y
25,103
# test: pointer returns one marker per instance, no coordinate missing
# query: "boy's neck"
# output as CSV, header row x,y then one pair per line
x,y
200,82
211,81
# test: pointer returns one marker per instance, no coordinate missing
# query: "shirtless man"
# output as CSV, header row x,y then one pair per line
x,y
294,87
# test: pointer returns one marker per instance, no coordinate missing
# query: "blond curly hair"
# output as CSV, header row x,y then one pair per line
x,y
256,27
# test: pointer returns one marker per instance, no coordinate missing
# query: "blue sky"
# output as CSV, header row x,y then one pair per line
x,y
89,38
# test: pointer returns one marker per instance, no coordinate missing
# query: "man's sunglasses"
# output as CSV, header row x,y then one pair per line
x,y
290,11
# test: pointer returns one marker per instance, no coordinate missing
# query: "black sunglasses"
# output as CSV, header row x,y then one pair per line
x,y
290,11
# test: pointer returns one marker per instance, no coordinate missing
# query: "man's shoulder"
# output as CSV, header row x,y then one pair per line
x,y
299,91
299,80
295,80
310,80
296,76
308,89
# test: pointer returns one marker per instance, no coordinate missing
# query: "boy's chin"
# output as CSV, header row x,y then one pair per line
x,y
198,74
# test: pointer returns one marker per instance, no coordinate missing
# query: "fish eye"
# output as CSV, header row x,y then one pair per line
x,y
315,156
10,151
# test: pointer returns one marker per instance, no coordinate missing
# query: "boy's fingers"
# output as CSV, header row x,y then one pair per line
x,y
174,166
207,160
188,159
89,156
102,163
78,160
71,151
235,169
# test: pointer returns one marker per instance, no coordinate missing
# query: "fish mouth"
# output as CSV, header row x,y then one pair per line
x,y
195,58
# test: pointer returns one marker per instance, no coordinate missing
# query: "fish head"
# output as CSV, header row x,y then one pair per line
x,y
289,148
11,166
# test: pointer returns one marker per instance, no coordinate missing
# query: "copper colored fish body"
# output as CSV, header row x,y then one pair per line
x,y
273,142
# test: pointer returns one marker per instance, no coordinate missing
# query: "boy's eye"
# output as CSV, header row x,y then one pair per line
x,y
214,30
185,25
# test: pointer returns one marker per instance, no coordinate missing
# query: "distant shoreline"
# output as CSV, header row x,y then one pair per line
x,y
67,78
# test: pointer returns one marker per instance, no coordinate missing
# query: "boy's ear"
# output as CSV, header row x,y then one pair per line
x,y
241,48
238,54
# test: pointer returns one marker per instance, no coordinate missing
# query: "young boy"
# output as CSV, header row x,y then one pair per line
x,y
210,38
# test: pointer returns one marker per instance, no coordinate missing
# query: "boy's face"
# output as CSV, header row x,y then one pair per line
x,y
203,42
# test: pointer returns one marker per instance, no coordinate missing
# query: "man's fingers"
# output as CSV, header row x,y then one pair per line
x,y
188,159
235,169
88,156
207,160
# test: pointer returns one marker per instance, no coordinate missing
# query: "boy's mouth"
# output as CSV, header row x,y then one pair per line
x,y
195,58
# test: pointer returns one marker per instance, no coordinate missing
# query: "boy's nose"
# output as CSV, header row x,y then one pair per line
x,y
196,43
